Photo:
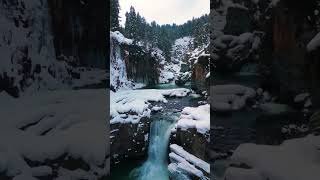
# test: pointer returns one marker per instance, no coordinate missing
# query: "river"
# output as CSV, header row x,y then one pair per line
x,y
154,167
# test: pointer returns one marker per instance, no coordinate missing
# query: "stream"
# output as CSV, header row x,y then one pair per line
x,y
155,166
237,127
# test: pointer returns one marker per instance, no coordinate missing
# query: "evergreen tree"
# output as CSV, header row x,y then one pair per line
x,y
114,15
163,36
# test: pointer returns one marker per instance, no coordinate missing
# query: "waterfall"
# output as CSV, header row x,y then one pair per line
x,y
156,166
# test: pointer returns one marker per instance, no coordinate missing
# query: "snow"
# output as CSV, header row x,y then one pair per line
x,y
208,75
181,47
89,76
308,103
238,47
156,108
138,103
314,43
230,97
294,159
179,155
274,2
59,117
18,43
301,97
120,38
195,117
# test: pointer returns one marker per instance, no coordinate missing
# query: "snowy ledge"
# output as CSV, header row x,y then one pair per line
x,y
272,162
186,163
129,106
120,38
195,117
30,122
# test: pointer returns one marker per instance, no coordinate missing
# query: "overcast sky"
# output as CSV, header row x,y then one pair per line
x,y
166,11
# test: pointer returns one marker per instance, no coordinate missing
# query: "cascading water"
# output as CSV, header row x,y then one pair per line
x,y
156,166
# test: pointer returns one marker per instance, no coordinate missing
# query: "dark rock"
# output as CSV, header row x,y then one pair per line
x,y
193,142
240,165
200,69
185,68
141,66
183,79
238,21
80,31
129,141
269,127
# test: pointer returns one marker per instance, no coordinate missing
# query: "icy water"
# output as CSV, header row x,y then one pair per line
x,y
237,126
155,168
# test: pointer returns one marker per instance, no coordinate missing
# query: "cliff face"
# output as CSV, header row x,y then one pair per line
x,y
141,66
131,64
43,43
284,29
292,30
27,54
80,30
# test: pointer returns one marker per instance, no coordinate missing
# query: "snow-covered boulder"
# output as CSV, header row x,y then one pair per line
x,y
230,97
295,159
195,117
231,51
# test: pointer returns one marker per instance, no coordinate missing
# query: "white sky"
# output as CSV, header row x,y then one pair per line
x,y
166,11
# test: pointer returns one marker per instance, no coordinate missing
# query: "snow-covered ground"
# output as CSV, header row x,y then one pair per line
x,y
129,106
48,125
295,159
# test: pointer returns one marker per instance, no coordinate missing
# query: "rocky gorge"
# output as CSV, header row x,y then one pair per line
x,y
271,105
146,94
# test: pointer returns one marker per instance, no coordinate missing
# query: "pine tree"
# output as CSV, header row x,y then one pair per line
x,y
114,15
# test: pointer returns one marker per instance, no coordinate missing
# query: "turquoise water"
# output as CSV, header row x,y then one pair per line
x,y
167,86
155,168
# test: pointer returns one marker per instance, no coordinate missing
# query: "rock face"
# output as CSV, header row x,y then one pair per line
x,y
129,140
79,30
238,21
192,141
199,80
284,28
44,42
141,66
27,52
